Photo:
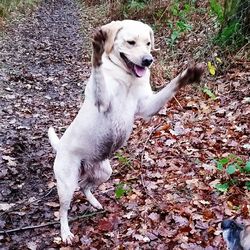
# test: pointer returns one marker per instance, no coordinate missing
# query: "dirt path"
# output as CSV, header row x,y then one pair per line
x,y
164,176
42,74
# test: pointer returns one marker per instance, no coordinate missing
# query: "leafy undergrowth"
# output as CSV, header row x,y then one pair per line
x,y
10,9
162,194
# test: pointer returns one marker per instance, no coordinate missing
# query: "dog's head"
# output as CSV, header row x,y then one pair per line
x,y
236,235
131,43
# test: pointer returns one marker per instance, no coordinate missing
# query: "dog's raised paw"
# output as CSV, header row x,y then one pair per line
x,y
191,74
98,46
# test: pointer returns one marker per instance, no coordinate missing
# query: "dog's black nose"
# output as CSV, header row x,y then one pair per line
x,y
146,61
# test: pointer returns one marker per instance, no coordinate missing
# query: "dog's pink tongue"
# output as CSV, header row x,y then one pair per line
x,y
139,71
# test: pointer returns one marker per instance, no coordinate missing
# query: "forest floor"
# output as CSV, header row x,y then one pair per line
x,y
162,192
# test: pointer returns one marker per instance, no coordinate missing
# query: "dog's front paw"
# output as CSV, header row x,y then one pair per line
x,y
67,237
191,74
98,47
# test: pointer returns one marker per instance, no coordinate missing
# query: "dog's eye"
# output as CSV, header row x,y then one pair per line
x,y
148,43
131,42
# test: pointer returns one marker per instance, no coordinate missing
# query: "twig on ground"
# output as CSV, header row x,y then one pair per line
x,y
53,188
148,138
241,50
27,202
85,215
163,13
178,102
143,153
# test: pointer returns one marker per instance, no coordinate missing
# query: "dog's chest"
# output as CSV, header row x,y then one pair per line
x,y
113,138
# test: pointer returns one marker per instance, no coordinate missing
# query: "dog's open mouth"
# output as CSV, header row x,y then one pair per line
x,y
139,71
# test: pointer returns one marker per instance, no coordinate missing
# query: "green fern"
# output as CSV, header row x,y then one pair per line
x,y
217,9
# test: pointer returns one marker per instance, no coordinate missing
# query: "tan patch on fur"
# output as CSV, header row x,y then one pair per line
x,y
111,30
98,47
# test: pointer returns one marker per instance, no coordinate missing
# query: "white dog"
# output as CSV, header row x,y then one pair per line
x,y
118,90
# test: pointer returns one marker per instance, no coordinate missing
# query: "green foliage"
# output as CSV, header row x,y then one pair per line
x,y
231,169
122,159
230,35
136,5
247,167
232,166
223,161
175,11
222,187
209,92
217,9
173,38
121,189
9,6
133,6
248,185
181,25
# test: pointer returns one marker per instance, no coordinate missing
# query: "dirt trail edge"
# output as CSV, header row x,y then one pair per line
x,y
162,193
42,73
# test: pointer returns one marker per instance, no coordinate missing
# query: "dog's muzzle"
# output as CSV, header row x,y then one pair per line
x,y
137,70
147,60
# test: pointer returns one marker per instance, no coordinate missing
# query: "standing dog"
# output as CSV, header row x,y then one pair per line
x,y
117,91
236,236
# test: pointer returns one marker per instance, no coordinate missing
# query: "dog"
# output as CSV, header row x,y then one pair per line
x,y
237,236
117,91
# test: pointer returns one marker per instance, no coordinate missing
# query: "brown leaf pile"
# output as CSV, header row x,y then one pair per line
x,y
168,166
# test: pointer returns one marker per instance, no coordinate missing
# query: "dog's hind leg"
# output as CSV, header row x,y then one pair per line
x,y
66,173
95,176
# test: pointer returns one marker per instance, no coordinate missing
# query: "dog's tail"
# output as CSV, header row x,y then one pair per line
x,y
53,138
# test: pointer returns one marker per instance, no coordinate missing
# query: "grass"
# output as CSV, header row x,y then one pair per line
x,y
10,7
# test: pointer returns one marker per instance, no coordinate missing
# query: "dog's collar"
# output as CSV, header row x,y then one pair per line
x,y
118,63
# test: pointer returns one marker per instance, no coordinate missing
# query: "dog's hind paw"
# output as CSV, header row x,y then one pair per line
x,y
97,205
94,202
67,237
191,74
98,47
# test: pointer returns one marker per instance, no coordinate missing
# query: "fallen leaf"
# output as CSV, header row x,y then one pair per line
x,y
6,206
211,68
141,238
57,240
170,142
10,160
154,217
32,245
57,215
52,204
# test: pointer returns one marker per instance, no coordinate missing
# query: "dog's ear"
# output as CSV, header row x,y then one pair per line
x,y
151,32
111,29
